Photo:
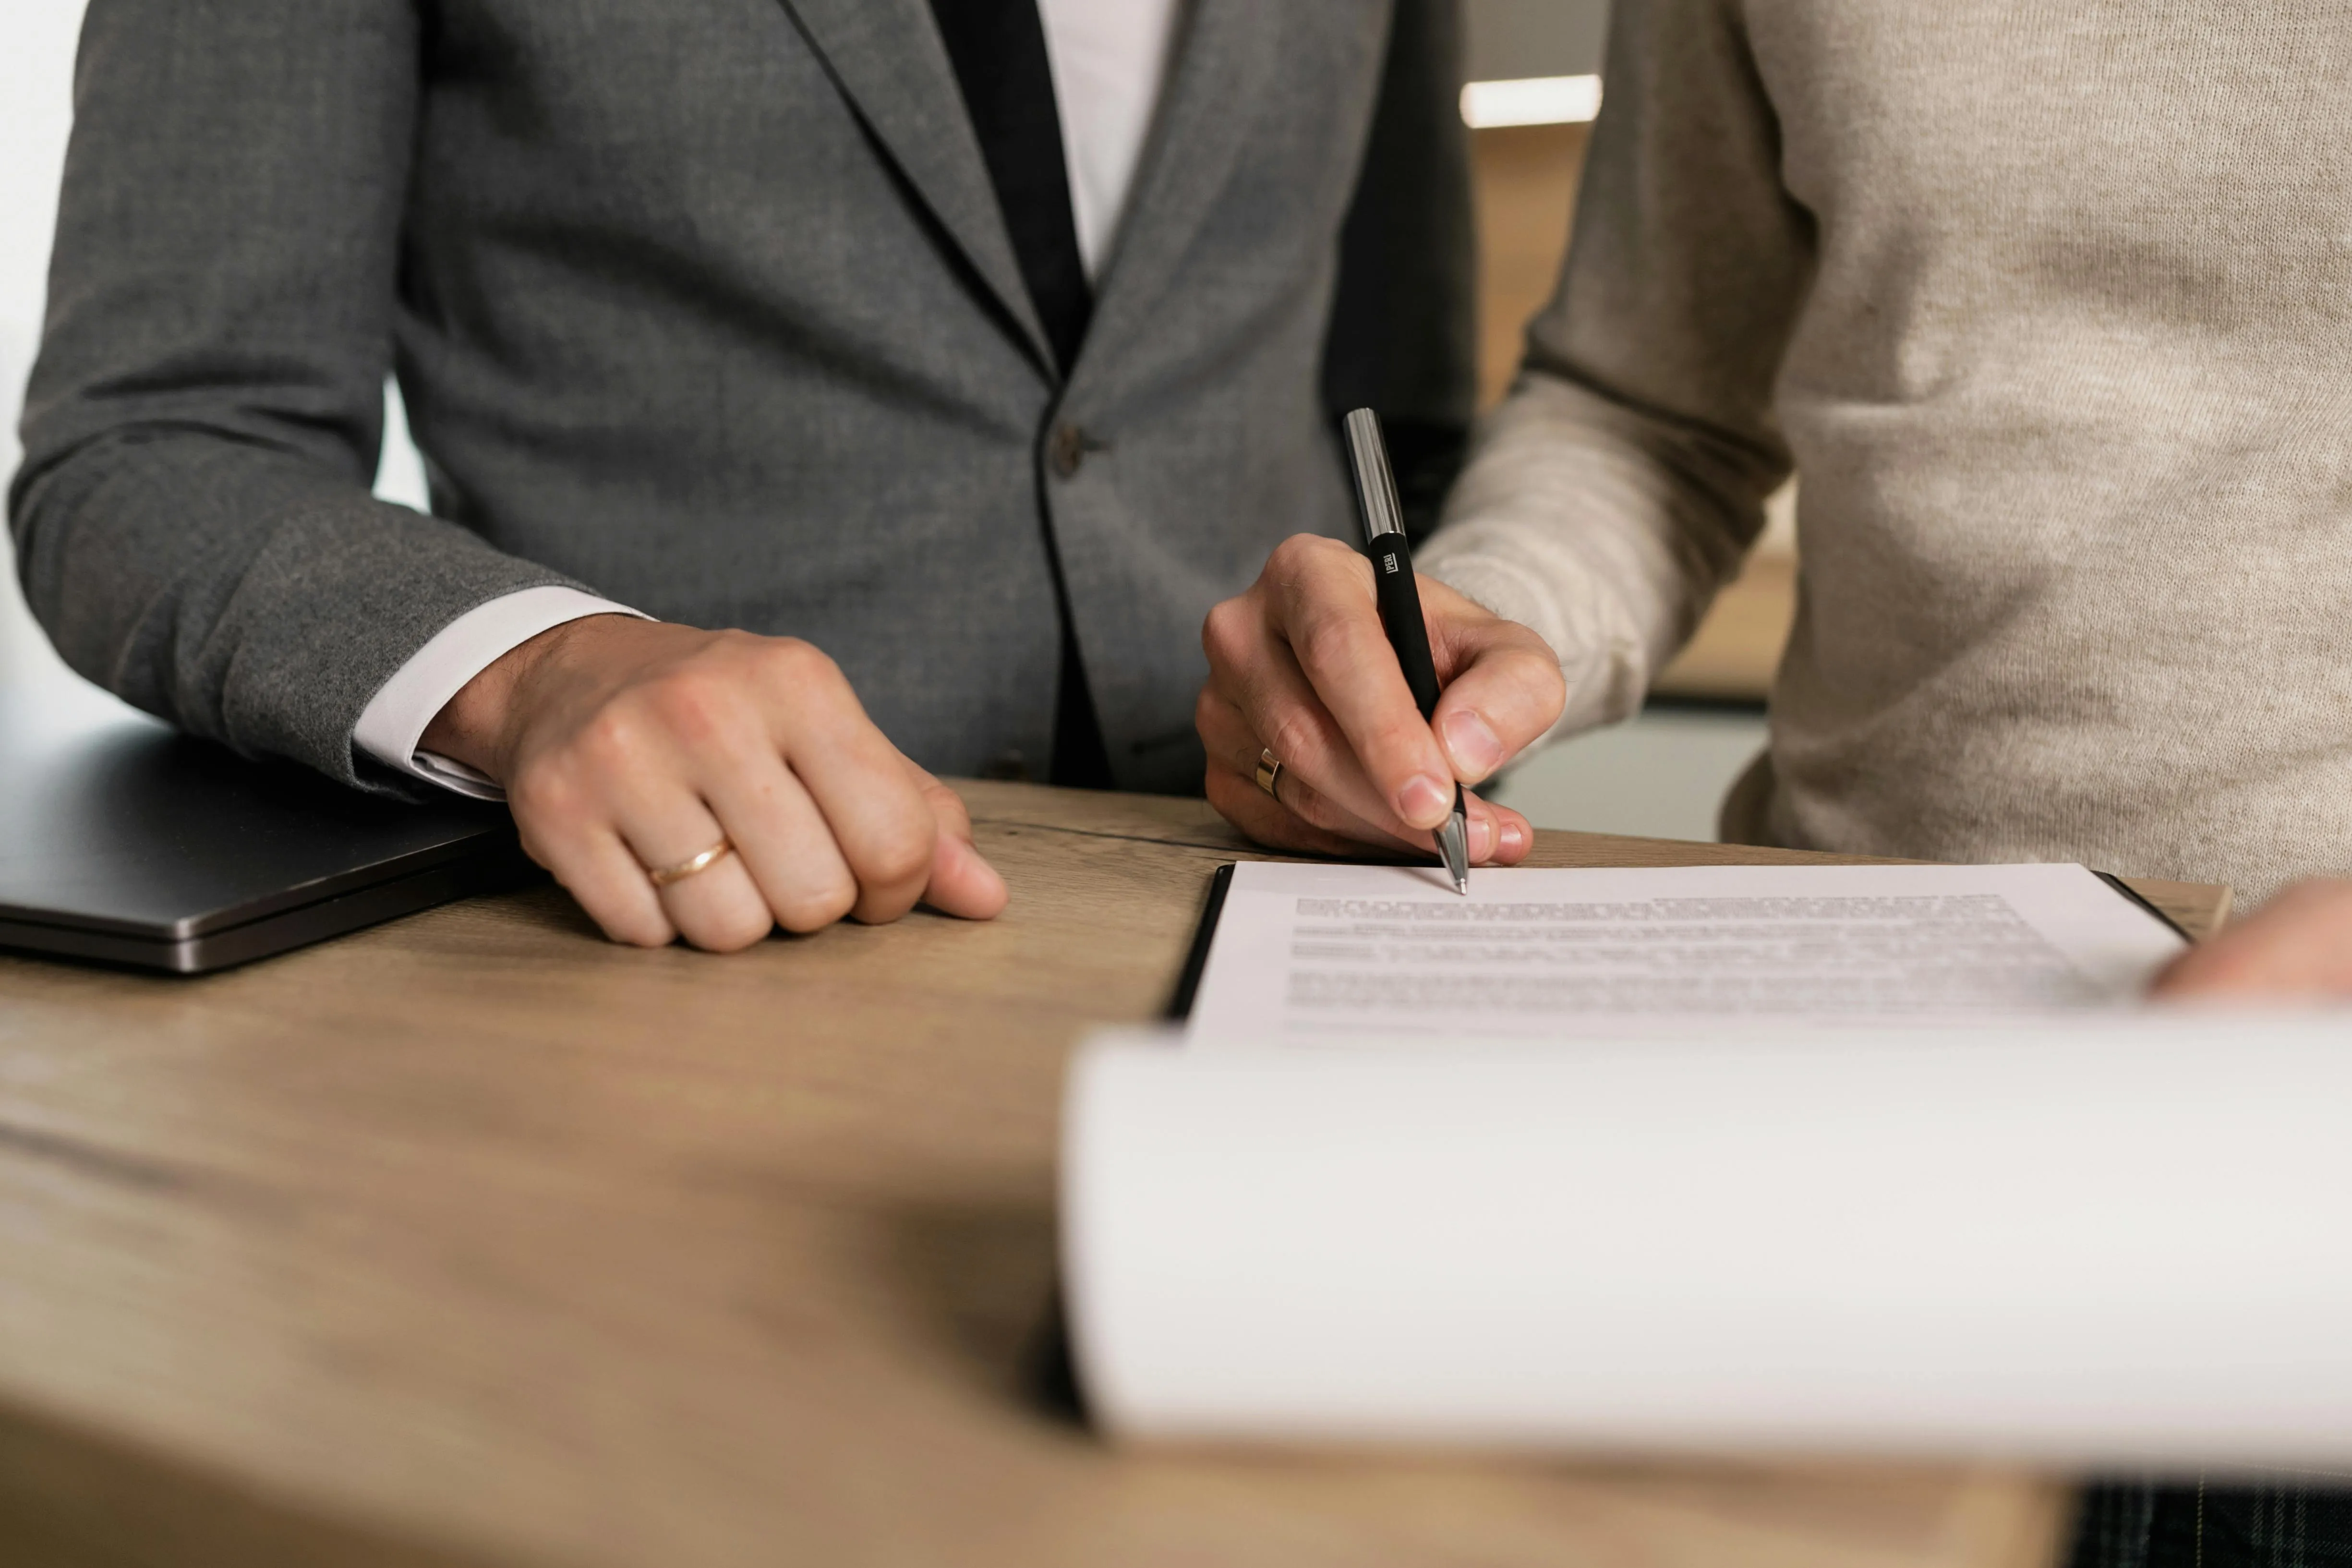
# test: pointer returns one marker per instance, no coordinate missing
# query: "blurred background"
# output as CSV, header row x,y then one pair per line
x,y
1535,69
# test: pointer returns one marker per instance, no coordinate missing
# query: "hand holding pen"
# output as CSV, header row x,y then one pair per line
x,y
1302,674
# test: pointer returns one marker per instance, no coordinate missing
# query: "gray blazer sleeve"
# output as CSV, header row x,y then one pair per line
x,y
192,519
1404,318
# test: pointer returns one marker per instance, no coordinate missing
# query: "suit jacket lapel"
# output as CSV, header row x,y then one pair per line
x,y
1219,71
887,57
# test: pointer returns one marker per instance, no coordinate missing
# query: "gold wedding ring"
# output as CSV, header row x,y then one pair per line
x,y
1269,773
696,866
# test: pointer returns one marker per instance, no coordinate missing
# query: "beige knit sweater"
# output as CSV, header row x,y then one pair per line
x,y
2050,303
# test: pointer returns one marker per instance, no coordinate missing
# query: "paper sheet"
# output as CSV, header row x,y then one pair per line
x,y
2084,1243
1303,950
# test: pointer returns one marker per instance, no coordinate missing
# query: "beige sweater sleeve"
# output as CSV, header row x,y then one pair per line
x,y
1619,485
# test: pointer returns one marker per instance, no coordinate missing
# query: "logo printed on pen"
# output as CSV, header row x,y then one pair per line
x,y
1389,562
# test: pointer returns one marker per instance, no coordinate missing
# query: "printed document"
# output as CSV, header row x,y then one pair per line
x,y
1876,1160
1353,951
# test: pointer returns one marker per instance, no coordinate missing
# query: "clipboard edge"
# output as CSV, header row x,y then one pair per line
x,y
1204,935
1048,1372
2136,897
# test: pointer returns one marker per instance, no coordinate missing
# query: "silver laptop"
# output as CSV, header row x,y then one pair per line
x,y
125,842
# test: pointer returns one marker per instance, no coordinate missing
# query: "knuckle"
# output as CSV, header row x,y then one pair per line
x,y
1524,642
902,851
815,907
1325,641
1330,568
1295,737
612,740
545,796
949,813
700,705
1553,686
1301,554
797,665
952,819
1524,682
1543,667
1222,637
542,855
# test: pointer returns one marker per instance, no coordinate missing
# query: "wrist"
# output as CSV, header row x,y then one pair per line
x,y
475,726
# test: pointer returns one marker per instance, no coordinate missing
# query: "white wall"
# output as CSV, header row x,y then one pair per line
x,y
37,45
1512,39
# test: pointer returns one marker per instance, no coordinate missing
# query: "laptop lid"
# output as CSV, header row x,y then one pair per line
x,y
123,840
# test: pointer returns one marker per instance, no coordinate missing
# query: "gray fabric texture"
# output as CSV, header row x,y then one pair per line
x,y
708,307
2051,308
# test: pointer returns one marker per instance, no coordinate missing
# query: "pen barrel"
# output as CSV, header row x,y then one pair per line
x,y
1399,597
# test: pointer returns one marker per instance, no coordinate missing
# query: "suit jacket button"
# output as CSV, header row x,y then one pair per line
x,y
1068,449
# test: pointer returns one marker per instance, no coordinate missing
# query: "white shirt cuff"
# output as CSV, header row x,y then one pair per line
x,y
396,716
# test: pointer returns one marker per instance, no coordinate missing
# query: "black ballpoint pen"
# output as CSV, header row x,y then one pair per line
x,y
1400,602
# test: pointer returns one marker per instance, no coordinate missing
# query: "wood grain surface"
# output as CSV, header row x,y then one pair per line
x,y
476,1240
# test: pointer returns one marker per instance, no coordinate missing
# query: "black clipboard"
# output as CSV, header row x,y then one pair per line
x,y
1204,934
2134,894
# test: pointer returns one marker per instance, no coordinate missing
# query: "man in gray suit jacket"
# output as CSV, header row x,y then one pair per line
x,y
743,314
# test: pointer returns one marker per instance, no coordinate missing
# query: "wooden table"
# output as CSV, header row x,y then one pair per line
x,y
475,1239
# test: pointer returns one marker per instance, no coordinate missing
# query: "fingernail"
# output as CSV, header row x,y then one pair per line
x,y
1514,838
1423,802
1481,839
1472,743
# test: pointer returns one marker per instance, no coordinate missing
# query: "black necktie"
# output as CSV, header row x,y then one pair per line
x,y
997,49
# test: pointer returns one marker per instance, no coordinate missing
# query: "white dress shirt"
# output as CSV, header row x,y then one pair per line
x,y
1108,58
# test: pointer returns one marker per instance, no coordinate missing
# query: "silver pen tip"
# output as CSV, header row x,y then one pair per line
x,y
1453,843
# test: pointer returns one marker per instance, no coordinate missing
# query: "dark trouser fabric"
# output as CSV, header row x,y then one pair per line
x,y
2274,1524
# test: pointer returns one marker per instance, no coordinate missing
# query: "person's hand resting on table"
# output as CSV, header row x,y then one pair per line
x,y
2297,945
629,746
1298,667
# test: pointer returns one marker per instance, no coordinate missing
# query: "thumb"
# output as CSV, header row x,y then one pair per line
x,y
963,881
963,884
1505,694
